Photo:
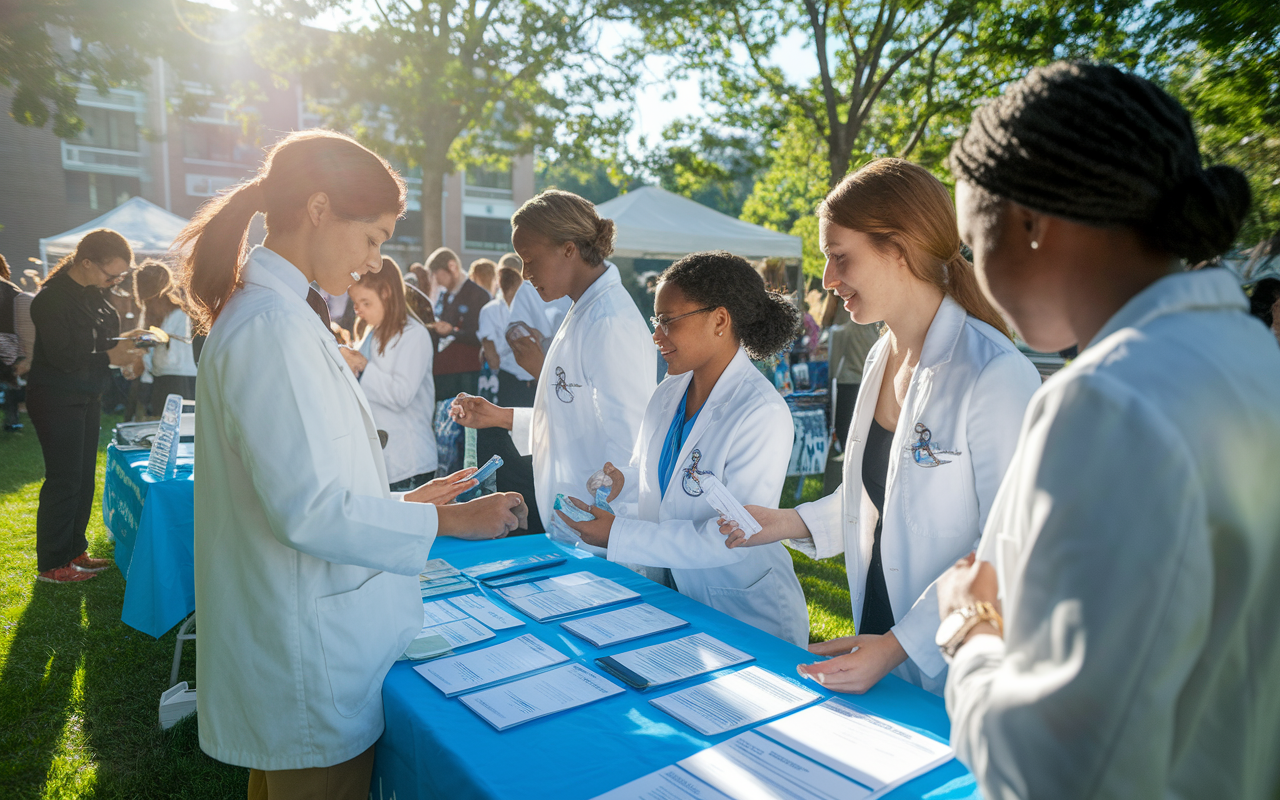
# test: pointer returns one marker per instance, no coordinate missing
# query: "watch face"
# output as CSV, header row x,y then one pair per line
x,y
949,628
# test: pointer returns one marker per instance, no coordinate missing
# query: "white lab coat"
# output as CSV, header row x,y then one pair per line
x,y
529,307
743,436
305,567
970,388
608,361
495,316
1137,543
175,357
402,395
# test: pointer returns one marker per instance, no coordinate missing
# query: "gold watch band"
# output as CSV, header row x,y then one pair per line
x,y
975,615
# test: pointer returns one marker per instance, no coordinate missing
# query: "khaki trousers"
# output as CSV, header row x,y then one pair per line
x,y
346,781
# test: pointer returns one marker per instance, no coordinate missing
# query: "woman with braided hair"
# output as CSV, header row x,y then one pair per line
x,y
933,428
1133,547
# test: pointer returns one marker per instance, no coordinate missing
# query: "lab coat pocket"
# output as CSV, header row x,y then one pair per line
x,y
359,638
757,605
939,501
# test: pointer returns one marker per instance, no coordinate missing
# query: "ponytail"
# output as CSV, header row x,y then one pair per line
x,y
906,210
360,185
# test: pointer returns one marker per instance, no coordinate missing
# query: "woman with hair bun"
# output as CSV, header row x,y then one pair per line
x,y
1133,550
715,415
598,372
305,564
933,429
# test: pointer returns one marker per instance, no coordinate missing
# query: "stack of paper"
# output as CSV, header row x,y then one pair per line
x,y
743,698
439,577
512,566
459,633
668,783
874,752
484,610
750,767
669,662
475,670
623,625
438,612
540,695
564,595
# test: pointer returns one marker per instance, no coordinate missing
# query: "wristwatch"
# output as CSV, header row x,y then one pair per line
x,y
956,626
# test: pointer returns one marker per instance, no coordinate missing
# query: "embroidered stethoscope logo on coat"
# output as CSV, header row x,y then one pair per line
x,y
564,389
925,452
691,484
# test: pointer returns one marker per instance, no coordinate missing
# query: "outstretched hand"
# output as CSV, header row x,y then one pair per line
x,y
776,524
470,411
873,656
442,491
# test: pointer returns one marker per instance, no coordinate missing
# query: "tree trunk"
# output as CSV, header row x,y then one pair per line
x,y
432,207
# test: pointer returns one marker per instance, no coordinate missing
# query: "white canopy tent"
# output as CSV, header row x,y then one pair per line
x,y
149,229
654,223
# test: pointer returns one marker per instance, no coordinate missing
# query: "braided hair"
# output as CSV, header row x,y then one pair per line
x,y
1091,143
764,321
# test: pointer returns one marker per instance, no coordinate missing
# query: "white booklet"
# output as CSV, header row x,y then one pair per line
x,y
748,696
565,594
475,670
750,767
536,696
486,611
623,625
723,501
460,633
438,612
875,752
668,783
669,662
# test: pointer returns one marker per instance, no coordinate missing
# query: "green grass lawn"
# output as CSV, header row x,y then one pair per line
x,y
79,689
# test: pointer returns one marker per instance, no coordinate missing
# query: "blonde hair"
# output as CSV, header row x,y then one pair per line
x,y
566,217
483,271
906,210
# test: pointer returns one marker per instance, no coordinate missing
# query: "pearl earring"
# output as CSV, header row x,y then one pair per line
x,y
1035,245
721,333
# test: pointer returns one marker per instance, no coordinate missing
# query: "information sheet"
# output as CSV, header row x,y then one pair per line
x,y
445,585
460,633
485,610
669,662
748,696
669,783
438,568
750,767
623,625
512,566
872,751
539,695
475,670
565,594
438,612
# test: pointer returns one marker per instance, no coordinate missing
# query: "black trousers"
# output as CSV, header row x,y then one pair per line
x,y
67,426
515,393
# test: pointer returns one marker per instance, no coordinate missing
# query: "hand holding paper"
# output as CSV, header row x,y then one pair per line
x,y
775,524
722,500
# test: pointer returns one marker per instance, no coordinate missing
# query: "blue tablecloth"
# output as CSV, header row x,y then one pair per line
x,y
435,747
153,523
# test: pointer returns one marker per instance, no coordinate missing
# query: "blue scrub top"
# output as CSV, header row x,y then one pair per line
x,y
671,446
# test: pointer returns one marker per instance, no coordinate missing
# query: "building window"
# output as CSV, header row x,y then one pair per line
x,y
487,233
108,128
223,143
485,184
100,192
207,185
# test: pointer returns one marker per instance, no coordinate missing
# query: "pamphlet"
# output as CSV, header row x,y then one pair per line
x,y
748,696
669,662
438,568
481,668
565,594
623,625
723,501
750,767
438,586
426,646
875,752
485,610
438,612
540,695
668,783
460,633
512,566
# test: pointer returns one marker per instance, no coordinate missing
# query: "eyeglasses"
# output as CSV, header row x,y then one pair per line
x,y
114,277
665,322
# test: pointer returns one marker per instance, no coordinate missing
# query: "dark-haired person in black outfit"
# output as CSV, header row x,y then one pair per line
x,y
457,365
75,324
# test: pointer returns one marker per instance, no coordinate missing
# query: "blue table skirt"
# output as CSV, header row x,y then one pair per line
x,y
435,747
153,523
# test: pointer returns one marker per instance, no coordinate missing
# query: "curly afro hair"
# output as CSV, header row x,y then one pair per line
x,y
764,321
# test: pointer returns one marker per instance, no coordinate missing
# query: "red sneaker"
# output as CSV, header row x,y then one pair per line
x,y
67,573
83,563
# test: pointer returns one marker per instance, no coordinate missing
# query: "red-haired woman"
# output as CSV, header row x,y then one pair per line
x,y
394,364
306,566
933,430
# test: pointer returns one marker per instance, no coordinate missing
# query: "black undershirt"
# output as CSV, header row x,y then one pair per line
x,y
877,613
